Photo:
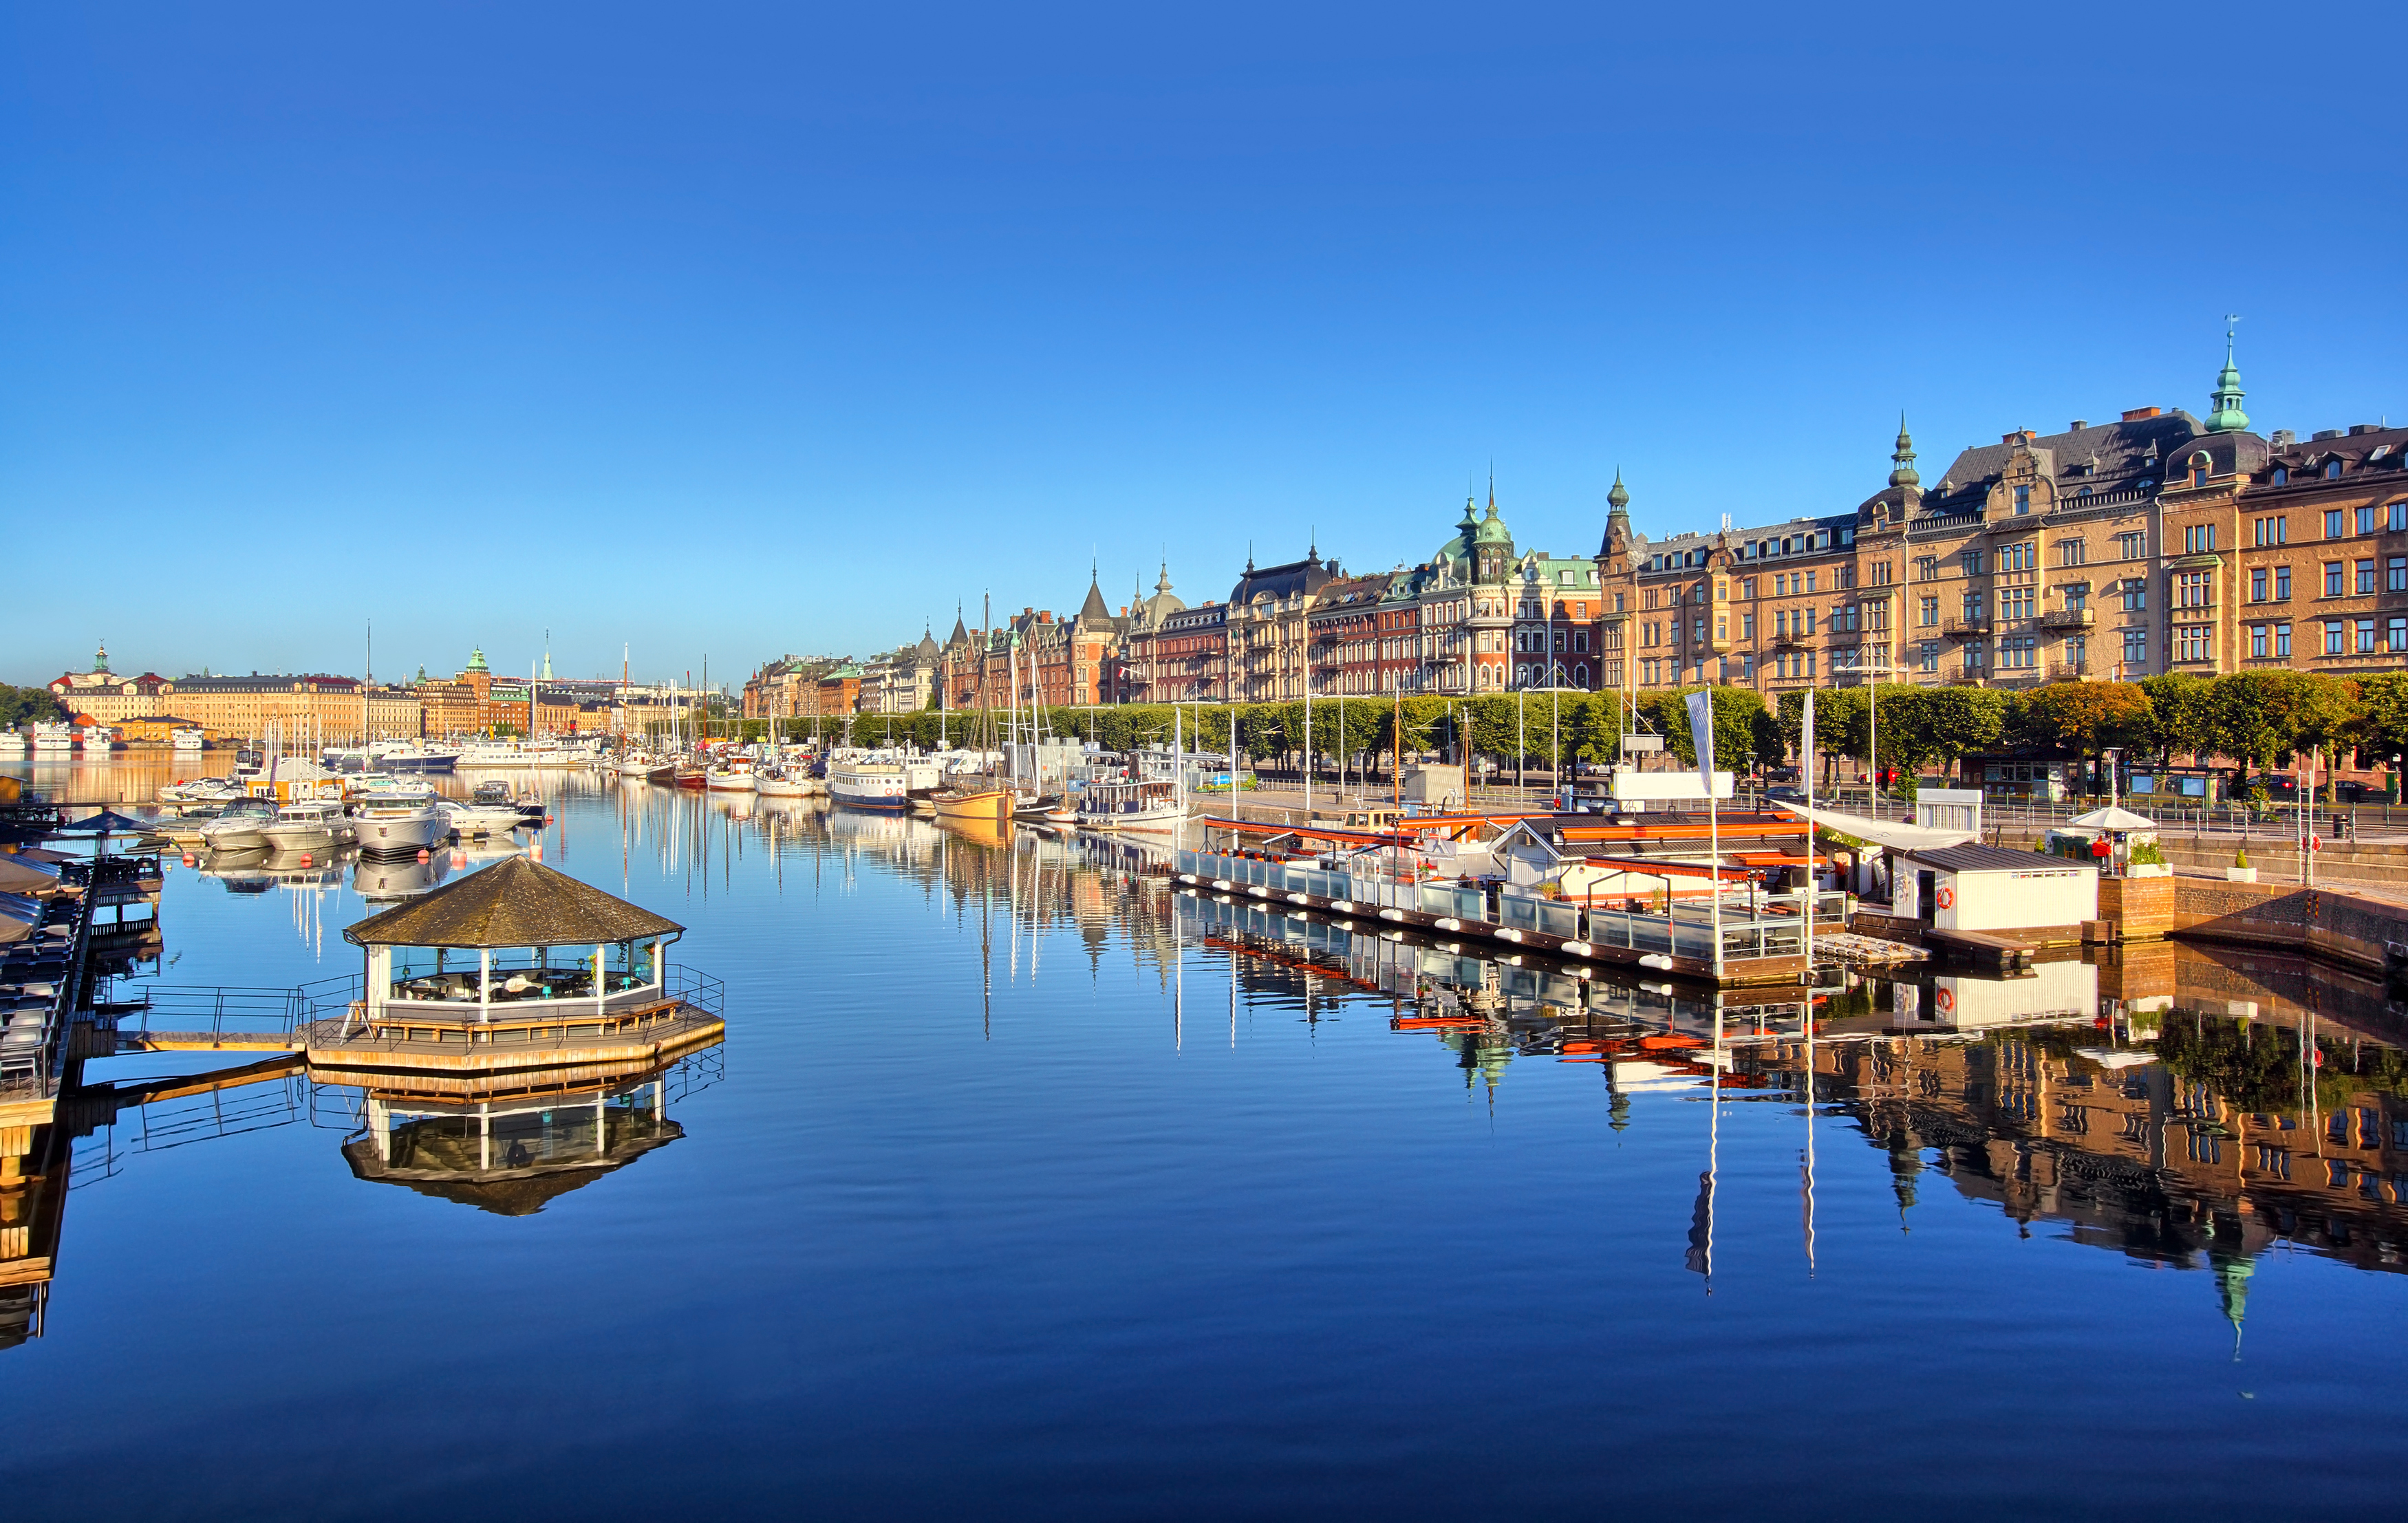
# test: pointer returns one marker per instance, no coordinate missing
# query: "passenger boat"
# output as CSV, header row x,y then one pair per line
x,y
1135,805
54,738
240,826
391,825
309,825
867,785
413,755
187,738
13,742
540,752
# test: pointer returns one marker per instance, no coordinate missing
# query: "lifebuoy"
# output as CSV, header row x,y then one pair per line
x,y
1945,999
1947,898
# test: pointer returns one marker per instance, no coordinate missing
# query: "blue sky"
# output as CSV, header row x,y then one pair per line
x,y
726,330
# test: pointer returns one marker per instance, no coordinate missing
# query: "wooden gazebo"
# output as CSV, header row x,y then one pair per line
x,y
518,964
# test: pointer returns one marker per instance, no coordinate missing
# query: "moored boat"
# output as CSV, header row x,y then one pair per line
x,y
867,785
968,803
308,825
391,825
1147,805
240,826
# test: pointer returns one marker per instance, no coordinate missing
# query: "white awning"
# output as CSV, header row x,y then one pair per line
x,y
1895,834
2111,818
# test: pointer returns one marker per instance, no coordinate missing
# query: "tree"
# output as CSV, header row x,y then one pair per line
x,y
2182,709
2381,728
29,706
1736,711
2087,717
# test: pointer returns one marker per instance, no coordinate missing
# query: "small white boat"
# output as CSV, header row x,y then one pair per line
x,y
775,783
310,825
241,828
200,790
733,776
391,825
472,820
640,766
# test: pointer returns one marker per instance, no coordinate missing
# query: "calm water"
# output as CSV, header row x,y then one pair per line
x,y
1021,1188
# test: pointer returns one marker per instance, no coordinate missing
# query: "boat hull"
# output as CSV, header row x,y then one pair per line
x,y
385,836
991,807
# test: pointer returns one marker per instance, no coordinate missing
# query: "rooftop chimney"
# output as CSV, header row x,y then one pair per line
x,y
2079,423
2136,414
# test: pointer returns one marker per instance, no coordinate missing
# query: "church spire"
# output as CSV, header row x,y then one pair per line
x,y
2227,418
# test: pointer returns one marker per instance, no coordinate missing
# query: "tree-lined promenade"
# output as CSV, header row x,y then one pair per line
x,y
2251,721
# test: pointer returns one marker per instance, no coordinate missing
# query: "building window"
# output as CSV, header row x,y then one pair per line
x,y
2332,523
2395,636
2192,641
2283,583
1747,626
2283,641
2394,574
2332,470
2398,511
1810,581
2257,584
2136,648
1930,611
2332,578
2366,636
2018,654
2257,642
1881,574
1974,608
2280,476
1974,562
2192,589
2023,499
2015,603
2073,552
2130,546
2333,628
2198,468
2365,576
1976,657
1926,567
2273,531
2198,539
1927,657
2366,518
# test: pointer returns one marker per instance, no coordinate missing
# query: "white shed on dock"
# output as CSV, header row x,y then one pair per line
x,y
1970,887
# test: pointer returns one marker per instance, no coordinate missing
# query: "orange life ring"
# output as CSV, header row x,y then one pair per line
x,y
1945,999
1947,898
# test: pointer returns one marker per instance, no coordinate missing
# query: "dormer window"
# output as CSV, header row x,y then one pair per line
x,y
2332,470
2023,499
2282,475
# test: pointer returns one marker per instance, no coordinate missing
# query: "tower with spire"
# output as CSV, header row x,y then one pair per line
x,y
2226,416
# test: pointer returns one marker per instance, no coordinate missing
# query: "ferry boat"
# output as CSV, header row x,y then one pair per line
x,y
391,825
13,742
540,752
1139,806
54,738
412,756
868,785
187,738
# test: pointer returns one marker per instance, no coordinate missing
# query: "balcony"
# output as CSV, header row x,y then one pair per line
x,y
2068,671
1966,629
1785,640
2069,618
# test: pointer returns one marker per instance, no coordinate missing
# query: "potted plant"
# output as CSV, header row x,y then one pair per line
x,y
2241,872
2145,861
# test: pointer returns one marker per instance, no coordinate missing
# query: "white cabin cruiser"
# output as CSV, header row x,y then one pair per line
x,y
308,825
241,827
388,825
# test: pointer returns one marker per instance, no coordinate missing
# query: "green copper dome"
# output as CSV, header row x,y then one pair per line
x,y
476,660
1619,497
1491,530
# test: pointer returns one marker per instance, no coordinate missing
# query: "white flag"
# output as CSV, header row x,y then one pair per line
x,y
1701,734
1806,740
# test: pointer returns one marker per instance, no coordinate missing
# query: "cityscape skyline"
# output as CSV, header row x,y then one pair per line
x,y
587,331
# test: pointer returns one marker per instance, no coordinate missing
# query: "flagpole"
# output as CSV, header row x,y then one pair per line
x,y
1806,767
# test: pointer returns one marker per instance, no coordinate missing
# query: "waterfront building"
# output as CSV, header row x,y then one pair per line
x,y
1270,612
1135,672
1343,622
1556,613
305,705
110,697
1191,656
395,712
477,700
2282,554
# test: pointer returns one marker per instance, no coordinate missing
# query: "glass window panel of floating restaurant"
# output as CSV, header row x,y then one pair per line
x,y
450,975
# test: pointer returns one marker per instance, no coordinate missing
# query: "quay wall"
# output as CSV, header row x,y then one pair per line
x,y
2356,931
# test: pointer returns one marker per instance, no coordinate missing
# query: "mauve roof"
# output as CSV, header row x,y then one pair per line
x,y
515,902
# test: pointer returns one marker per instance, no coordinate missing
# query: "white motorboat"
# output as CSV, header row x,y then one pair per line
x,y
472,820
388,825
776,783
1131,805
310,825
733,776
242,826
641,766
201,791
372,786
868,785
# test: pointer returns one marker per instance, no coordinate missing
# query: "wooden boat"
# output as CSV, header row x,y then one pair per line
x,y
973,805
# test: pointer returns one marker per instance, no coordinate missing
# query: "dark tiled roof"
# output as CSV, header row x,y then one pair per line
x,y
1306,575
2353,449
514,903
2121,451
1973,857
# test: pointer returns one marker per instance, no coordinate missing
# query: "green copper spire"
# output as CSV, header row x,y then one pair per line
x,y
1904,473
1618,497
2227,418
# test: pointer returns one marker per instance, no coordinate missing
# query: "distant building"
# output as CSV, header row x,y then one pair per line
x,y
109,696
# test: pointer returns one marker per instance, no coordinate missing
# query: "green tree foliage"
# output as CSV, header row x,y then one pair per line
x,y
2183,714
1736,710
2086,717
29,706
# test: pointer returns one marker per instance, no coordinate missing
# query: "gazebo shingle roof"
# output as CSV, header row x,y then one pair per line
x,y
514,903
